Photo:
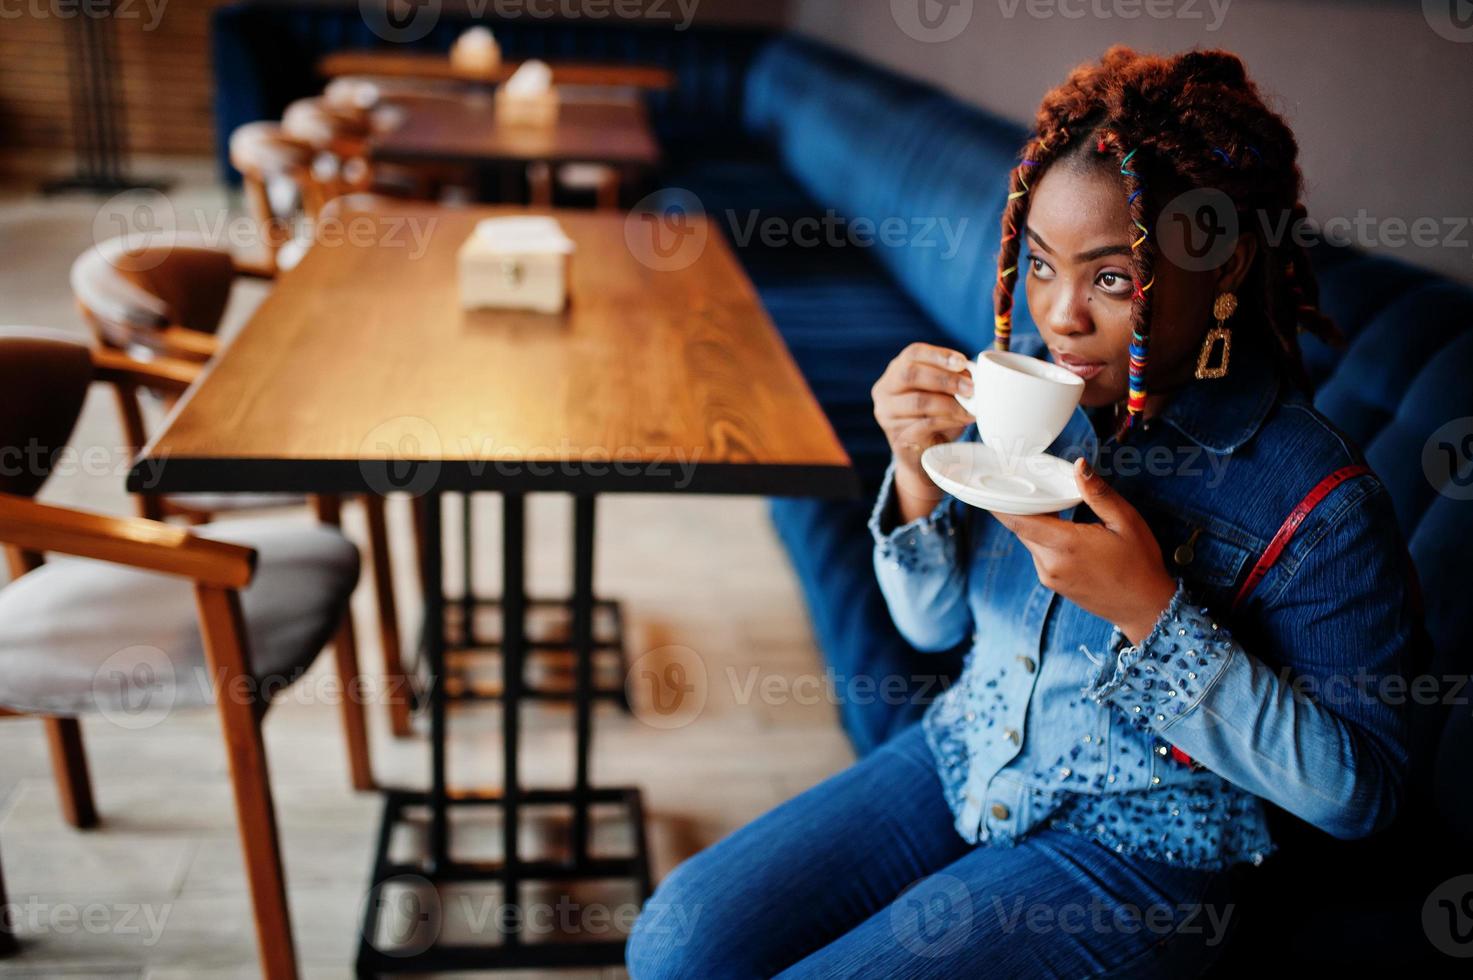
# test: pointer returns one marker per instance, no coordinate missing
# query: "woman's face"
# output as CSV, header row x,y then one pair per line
x,y
1078,282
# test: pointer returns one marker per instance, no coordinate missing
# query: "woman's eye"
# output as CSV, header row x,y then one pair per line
x,y
1037,267
1114,282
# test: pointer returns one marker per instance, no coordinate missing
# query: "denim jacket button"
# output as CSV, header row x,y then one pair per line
x,y
1011,734
1027,663
1000,811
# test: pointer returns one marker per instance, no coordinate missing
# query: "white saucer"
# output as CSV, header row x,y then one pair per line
x,y
976,474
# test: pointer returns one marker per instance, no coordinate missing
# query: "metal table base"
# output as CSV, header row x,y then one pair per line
x,y
467,646
466,650
438,867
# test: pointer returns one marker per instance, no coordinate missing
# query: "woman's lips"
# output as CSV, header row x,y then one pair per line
x,y
1086,369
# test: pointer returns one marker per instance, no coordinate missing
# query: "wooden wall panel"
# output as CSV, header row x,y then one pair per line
x,y
163,64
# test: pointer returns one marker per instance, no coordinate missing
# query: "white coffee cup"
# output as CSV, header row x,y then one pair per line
x,y
1021,403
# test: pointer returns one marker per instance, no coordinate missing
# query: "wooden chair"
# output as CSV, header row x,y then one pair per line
x,y
276,174
167,302
338,135
160,299
350,111
330,127
243,606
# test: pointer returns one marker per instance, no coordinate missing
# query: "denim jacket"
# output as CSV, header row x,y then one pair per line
x,y
1057,721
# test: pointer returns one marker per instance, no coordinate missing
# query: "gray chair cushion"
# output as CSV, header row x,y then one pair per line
x,y
79,636
220,503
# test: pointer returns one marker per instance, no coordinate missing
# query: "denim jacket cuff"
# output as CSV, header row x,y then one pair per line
x,y
1167,673
926,542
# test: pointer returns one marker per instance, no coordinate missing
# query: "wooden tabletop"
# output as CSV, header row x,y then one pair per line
x,y
465,129
361,372
392,64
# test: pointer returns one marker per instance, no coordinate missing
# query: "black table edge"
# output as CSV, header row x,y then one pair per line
x,y
171,475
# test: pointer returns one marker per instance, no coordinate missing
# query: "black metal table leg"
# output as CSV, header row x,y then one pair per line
x,y
467,646
467,580
583,515
434,640
513,634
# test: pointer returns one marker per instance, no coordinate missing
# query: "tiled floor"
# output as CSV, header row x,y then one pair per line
x,y
158,890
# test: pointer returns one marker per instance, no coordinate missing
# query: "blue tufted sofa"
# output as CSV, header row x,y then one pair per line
x,y
777,126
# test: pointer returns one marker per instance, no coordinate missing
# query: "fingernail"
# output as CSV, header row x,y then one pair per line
x,y
958,362
965,387
1085,469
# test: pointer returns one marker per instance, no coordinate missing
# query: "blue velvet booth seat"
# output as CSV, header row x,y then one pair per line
x,y
782,127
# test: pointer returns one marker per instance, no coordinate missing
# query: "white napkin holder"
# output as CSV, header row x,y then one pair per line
x,y
518,262
476,53
528,97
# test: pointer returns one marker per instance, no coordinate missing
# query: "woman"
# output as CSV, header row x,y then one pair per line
x,y
1085,797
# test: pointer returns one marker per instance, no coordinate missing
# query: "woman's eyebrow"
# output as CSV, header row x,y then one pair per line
x,y
1089,256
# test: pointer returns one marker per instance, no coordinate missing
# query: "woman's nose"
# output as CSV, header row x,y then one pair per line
x,y
1068,313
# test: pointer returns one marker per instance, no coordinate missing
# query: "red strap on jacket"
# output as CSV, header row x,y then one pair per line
x,y
1276,546
1280,541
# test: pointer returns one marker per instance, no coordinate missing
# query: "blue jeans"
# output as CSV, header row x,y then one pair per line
x,y
864,875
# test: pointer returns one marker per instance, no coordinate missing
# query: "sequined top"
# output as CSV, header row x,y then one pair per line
x,y
1056,720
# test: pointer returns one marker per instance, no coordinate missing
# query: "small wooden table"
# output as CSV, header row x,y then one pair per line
x,y
396,64
360,372
362,353
465,130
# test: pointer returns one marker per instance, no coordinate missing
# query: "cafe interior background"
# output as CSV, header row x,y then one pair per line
x,y
712,694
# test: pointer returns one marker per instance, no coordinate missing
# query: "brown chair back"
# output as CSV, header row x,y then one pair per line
x,y
263,152
127,295
44,376
324,127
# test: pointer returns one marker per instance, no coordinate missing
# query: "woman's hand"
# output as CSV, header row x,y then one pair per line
x,y
1113,569
914,405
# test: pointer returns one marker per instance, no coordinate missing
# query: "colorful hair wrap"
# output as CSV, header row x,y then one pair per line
x,y
1002,323
1023,179
1140,339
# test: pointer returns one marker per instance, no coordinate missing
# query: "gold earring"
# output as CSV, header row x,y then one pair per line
x,y
1223,307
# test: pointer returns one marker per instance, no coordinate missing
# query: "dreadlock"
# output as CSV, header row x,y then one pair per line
x,y
1170,125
